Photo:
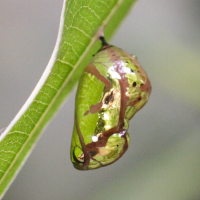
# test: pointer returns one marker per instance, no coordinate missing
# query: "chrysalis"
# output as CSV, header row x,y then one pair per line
x,y
112,88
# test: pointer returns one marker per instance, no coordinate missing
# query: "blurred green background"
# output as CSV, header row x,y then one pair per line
x,y
163,160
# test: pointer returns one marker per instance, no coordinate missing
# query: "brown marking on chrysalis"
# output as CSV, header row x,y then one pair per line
x,y
84,148
94,108
102,141
103,138
86,113
93,70
146,87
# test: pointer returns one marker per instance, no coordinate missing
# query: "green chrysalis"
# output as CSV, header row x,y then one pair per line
x,y
112,88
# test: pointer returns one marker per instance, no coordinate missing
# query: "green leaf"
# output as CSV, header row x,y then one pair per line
x,y
81,24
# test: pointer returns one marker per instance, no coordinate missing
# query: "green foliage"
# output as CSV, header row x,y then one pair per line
x,y
83,20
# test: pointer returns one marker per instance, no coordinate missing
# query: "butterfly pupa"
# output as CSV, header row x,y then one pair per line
x,y
112,88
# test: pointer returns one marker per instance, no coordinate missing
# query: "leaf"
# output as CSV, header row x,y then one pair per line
x,y
81,23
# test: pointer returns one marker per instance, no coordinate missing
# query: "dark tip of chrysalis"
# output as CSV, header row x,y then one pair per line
x,y
104,43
